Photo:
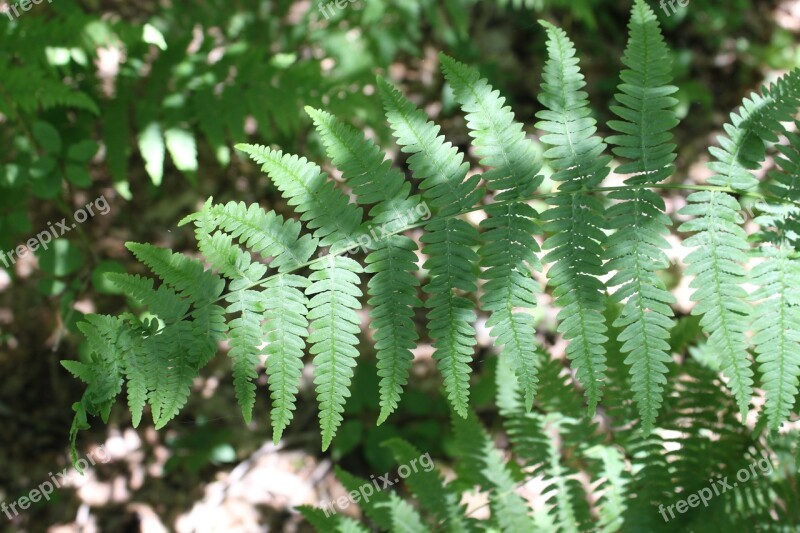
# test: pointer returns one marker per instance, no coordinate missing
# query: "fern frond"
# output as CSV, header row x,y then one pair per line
x,y
393,288
498,137
780,218
371,506
330,524
437,164
531,435
245,332
246,337
716,264
635,249
164,302
574,221
286,307
612,504
173,371
137,367
720,241
373,179
324,208
265,233
449,242
486,465
756,122
508,252
104,376
393,297
184,274
335,325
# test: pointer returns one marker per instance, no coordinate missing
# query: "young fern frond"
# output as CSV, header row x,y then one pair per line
x,y
574,222
449,242
508,249
635,249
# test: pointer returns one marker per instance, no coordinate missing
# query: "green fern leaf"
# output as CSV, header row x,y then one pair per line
x,y
246,336
373,179
574,221
716,265
508,252
393,297
405,519
335,324
330,524
185,275
720,241
286,326
449,242
393,288
172,370
164,302
635,249
104,376
438,165
265,233
373,505
324,208
245,331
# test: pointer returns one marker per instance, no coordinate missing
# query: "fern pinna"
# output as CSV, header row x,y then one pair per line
x,y
280,288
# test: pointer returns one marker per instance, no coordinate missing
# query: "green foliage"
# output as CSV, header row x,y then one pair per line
x,y
289,289
587,471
